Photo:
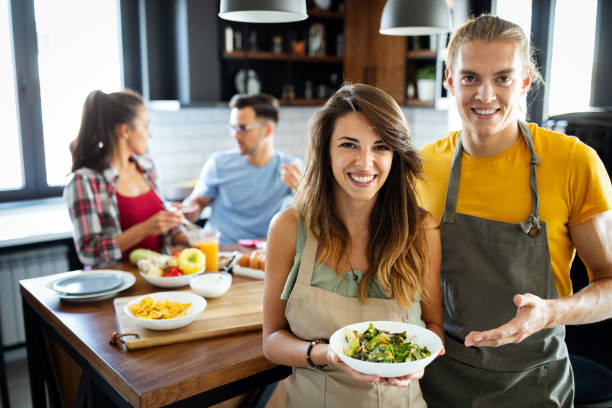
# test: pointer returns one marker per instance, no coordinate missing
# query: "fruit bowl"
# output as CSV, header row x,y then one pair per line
x,y
171,281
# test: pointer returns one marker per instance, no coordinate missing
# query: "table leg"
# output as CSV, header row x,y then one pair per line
x,y
35,347
42,382
3,383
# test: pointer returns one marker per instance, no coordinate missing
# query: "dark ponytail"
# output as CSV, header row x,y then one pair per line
x,y
102,113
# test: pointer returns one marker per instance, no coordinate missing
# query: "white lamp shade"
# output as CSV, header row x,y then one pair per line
x,y
263,11
415,17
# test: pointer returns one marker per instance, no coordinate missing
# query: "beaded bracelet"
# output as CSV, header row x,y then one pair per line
x,y
310,346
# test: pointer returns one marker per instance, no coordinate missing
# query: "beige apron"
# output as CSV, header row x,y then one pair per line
x,y
315,313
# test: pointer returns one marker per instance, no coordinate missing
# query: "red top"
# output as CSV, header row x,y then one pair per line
x,y
134,210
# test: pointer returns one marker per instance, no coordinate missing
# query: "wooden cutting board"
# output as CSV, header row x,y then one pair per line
x,y
239,310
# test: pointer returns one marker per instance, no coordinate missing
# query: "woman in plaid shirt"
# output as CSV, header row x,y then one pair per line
x,y
112,195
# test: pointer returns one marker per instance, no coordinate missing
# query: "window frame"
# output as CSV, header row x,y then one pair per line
x,y
22,26
29,116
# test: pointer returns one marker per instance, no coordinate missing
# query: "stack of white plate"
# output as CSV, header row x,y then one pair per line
x,y
88,286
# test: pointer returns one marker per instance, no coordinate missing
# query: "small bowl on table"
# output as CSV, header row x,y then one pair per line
x,y
415,334
198,304
212,284
171,281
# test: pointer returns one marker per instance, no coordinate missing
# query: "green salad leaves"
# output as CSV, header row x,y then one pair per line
x,y
382,346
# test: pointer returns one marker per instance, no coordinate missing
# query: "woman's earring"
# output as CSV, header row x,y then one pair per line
x,y
100,145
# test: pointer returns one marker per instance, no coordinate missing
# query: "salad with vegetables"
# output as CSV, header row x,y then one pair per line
x,y
382,346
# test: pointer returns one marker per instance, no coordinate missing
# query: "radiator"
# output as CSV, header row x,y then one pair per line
x,y
18,265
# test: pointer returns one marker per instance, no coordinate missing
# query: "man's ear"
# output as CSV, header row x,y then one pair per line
x,y
526,82
269,129
450,83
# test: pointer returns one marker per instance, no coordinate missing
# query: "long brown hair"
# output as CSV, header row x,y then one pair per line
x,y
102,113
397,244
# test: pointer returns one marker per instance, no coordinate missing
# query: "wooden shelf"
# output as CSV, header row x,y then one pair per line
x,y
285,67
304,102
262,55
324,13
322,58
271,56
418,102
422,54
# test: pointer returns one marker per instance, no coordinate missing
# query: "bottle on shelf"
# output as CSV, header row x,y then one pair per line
x,y
277,44
229,39
237,40
308,89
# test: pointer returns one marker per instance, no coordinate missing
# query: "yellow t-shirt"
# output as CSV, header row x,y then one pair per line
x,y
573,185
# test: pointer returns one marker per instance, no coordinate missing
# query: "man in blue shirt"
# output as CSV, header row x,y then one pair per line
x,y
246,187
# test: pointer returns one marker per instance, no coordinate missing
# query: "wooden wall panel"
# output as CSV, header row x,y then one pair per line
x,y
357,41
389,54
371,57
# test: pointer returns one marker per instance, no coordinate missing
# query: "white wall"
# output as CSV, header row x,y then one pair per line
x,y
183,140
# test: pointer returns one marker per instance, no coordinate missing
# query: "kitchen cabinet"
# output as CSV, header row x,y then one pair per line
x,y
371,57
183,51
300,63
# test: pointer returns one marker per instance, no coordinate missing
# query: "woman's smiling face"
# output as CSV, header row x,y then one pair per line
x,y
360,160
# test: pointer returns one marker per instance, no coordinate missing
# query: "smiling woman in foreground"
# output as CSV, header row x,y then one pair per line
x,y
356,247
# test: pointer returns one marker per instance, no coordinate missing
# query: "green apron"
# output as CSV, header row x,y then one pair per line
x,y
484,264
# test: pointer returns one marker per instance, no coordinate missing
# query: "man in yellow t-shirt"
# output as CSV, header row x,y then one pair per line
x,y
572,183
514,202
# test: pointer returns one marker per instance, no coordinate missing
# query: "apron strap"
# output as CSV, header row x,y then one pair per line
x,y
532,225
309,255
452,191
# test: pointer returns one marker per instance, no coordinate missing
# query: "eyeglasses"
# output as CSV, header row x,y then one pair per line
x,y
233,129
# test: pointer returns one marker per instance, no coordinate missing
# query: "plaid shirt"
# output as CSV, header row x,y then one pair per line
x,y
92,203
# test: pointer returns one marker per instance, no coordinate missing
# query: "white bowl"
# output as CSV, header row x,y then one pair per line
x,y
212,284
170,281
416,334
198,304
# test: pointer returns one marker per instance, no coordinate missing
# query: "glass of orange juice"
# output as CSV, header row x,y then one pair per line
x,y
209,244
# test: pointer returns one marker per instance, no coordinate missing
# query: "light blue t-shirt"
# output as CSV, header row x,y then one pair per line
x,y
245,197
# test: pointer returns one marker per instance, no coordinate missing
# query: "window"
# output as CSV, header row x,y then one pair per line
x,y
517,11
572,56
61,50
11,166
78,52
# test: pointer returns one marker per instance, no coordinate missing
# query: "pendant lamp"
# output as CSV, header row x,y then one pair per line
x,y
415,17
263,11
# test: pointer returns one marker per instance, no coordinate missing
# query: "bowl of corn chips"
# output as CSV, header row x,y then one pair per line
x,y
165,310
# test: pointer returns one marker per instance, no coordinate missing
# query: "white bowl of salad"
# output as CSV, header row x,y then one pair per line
x,y
384,348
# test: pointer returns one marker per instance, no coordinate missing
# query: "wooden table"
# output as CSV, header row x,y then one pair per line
x,y
197,373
